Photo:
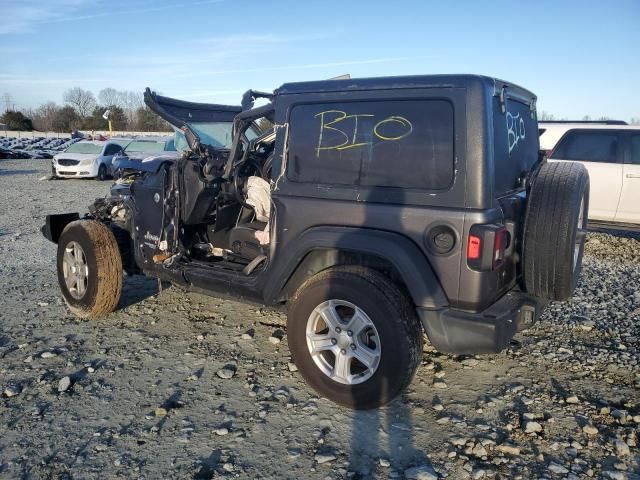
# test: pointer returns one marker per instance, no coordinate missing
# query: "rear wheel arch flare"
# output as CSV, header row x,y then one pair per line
x,y
408,261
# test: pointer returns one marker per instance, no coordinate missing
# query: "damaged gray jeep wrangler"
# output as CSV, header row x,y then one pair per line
x,y
373,210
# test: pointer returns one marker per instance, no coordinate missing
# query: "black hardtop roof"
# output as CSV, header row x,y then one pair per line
x,y
411,81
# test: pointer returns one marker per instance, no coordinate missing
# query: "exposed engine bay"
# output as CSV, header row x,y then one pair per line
x,y
209,206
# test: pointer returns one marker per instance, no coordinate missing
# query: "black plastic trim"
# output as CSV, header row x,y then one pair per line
x,y
490,331
54,225
421,281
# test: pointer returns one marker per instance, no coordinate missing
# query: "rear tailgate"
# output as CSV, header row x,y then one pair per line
x,y
516,139
516,155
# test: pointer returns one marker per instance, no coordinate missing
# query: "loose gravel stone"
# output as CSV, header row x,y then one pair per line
x,y
557,468
470,362
459,441
622,449
226,372
276,337
613,475
248,335
294,452
479,450
590,430
325,457
508,449
532,427
11,391
477,474
422,472
64,384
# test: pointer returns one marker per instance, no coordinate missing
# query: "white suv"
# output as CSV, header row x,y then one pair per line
x,y
610,151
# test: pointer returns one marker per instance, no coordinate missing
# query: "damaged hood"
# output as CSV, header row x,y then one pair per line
x,y
145,157
145,163
155,160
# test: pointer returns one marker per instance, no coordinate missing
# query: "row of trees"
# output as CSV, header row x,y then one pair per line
x,y
82,111
549,117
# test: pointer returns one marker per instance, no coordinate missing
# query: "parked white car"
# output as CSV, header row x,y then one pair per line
x,y
611,153
87,159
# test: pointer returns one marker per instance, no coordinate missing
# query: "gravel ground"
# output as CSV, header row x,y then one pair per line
x,y
180,385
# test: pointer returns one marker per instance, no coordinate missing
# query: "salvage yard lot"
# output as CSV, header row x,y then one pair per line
x,y
141,393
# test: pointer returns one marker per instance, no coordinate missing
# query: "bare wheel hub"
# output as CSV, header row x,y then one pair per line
x,y
75,270
343,342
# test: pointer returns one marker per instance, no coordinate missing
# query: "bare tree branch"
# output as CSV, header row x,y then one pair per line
x,y
82,101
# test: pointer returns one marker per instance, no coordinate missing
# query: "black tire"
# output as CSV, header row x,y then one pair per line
x,y
102,172
393,316
554,230
105,277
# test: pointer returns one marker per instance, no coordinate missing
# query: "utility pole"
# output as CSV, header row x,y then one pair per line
x,y
7,101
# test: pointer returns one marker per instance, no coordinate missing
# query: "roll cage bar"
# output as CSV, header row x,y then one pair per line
x,y
241,122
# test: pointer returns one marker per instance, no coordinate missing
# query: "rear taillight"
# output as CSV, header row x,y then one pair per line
x,y
500,244
486,246
473,248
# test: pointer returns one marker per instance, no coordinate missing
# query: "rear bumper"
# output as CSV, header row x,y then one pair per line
x,y
490,331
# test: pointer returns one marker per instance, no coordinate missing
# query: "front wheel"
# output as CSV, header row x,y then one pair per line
x,y
89,268
354,336
102,172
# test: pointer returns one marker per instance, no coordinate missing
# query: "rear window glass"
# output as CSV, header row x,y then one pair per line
x,y
588,146
516,140
407,144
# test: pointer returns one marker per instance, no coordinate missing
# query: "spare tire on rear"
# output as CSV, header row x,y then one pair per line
x,y
554,230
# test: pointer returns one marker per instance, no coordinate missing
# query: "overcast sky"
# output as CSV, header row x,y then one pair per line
x,y
579,57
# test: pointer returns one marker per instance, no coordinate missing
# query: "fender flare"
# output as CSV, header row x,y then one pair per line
x,y
55,223
412,265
